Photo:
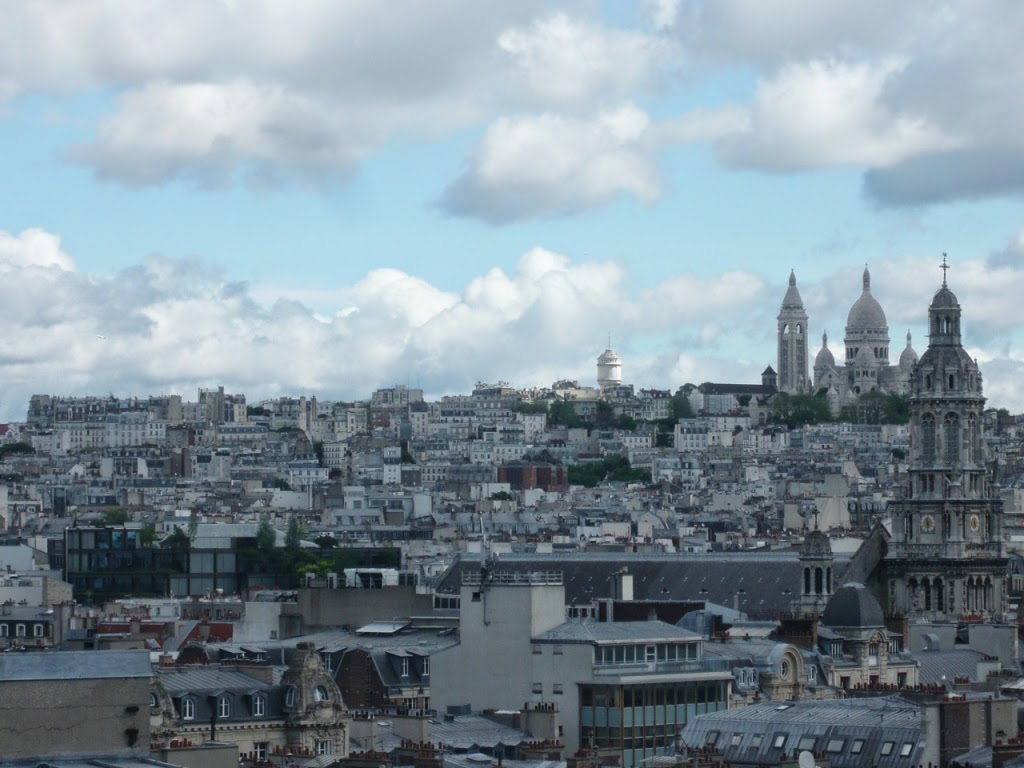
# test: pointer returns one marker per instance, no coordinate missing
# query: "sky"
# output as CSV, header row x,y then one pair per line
x,y
324,198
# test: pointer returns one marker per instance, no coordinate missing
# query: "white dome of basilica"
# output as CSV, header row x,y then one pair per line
x,y
866,314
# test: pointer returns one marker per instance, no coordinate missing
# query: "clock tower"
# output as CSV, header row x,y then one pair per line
x,y
946,559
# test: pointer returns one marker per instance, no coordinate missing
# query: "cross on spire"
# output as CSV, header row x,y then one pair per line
x,y
945,267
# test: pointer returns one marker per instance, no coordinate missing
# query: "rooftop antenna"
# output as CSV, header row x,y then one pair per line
x,y
945,267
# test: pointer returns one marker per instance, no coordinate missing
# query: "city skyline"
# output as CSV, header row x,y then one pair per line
x,y
332,198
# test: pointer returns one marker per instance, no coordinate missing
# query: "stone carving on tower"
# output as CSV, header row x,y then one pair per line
x,y
792,339
946,558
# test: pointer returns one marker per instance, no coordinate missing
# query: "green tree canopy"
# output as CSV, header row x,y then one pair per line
x,y
877,408
293,536
610,468
178,539
266,536
680,405
14,449
798,410
529,407
562,413
116,516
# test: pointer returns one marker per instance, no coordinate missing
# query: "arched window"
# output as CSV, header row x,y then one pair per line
x,y
785,328
223,707
928,438
952,382
799,328
290,695
819,581
951,437
320,694
259,705
188,709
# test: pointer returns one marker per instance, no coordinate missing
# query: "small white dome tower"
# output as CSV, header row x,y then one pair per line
x,y
609,369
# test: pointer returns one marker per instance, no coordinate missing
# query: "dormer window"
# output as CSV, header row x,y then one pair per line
x,y
153,703
259,706
405,666
223,707
290,696
188,709
320,694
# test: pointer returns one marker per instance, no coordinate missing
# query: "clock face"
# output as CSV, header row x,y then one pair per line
x,y
927,523
974,522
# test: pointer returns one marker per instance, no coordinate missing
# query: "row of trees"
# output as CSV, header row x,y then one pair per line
x,y
610,468
869,408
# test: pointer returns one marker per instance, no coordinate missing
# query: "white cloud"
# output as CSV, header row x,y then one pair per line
x,y
547,164
174,325
32,248
826,113
563,61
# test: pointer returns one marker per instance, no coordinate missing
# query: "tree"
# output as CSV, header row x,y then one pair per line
x,y
116,516
13,449
529,407
293,536
799,410
266,536
281,484
326,542
626,422
604,415
562,413
680,406
876,407
256,410
502,496
147,534
318,449
178,539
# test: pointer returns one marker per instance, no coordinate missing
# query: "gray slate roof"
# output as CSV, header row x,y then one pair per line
x,y
762,577
615,632
81,665
875,722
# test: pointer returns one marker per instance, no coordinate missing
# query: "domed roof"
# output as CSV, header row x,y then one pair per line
x,y
866,313
792,298
909,357
816,544
608,356
944,299
853,606
824,358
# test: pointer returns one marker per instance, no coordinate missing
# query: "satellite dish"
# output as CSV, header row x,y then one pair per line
x,y
806,760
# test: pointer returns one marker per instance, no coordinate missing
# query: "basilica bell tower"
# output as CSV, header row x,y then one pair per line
x,y
792,341
946,559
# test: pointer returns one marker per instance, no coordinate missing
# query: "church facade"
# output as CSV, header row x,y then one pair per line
x,y
866,366
946,559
